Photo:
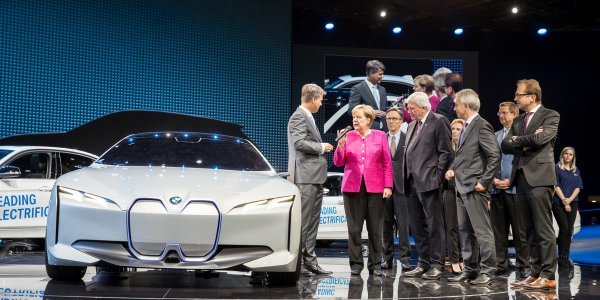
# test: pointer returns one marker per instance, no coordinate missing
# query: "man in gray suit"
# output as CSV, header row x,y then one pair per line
x,y
531,140
477,158
308,170
370,92
426,158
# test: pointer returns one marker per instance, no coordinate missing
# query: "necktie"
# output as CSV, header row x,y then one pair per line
x,y
393,146
462,135
376,95
525,121
415,135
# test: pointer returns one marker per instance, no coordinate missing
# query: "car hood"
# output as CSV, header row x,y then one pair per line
x,y
224,187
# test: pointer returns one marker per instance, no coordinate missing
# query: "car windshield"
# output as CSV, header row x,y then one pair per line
x,y
4,153
333,83
192,150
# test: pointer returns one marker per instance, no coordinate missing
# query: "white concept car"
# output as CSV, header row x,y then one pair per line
x,y
175,200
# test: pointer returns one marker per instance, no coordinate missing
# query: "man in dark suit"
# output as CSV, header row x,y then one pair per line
x,y
308,170
426,159
395,213
531,140
452,85
371,93
477,158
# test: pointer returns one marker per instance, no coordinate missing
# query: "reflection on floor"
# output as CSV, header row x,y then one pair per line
x,y
23,276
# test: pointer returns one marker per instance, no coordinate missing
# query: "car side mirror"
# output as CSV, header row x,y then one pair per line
x,y
283,175
9,172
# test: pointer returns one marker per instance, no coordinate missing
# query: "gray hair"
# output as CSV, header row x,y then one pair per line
x,y
439,77
468,97
420,99
374,66
310,91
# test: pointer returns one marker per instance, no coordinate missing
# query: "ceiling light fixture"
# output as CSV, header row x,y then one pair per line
x,y
397,30
515,10
329,26
382,13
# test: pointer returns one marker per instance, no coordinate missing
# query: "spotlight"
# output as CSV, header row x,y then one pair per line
x,y
514,10
383,13
458,31
329,26
542,31
397,30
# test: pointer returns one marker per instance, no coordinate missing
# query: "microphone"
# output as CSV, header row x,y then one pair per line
x,y
343,133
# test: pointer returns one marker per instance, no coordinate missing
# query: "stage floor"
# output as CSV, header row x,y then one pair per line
x,y
23,276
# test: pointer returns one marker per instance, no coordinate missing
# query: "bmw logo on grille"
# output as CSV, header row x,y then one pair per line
x,y
175,200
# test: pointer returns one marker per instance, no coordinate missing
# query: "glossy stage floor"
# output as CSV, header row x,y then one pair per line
x,y
23,276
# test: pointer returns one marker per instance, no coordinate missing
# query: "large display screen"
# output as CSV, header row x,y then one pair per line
x,y
65,63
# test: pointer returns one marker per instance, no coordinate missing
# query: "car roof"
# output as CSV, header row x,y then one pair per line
x,y
58,149
100,134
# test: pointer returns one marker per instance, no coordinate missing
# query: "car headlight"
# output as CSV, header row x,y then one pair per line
x,y
83,197
285,201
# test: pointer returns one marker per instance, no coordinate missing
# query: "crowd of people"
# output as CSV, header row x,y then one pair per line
x,y
456,184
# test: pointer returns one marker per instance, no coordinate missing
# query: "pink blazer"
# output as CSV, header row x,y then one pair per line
x,y
369,158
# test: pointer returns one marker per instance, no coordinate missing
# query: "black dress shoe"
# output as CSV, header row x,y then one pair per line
x,y
304,272
318,270
433,274
387,264
355,272
482,279
376,273
416,272
463,277
523,272
405,265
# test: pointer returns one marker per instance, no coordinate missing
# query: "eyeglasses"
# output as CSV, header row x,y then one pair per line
x,y
517,95
393,119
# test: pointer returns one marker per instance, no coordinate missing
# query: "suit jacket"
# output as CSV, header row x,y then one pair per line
x,y
446,108
368,158
398,164
536,150
361,94
431,154
477,158
505,169
305,163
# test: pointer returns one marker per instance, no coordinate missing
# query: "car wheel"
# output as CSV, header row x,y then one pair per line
x,y
69,273
285,278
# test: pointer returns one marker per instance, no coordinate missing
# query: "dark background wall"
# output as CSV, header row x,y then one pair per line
x,y
565,63
64,63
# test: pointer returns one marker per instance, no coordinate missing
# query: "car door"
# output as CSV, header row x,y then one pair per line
x,y
24,199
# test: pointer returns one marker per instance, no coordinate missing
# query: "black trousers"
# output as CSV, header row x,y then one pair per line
x,y
504,215
537,213
565,221
361,207
395,218
427,225
451,226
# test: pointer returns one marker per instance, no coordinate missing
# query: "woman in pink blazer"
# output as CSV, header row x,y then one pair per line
x,y
365,152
